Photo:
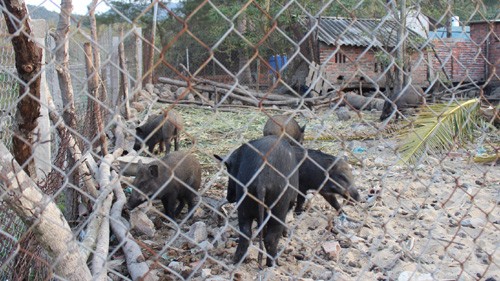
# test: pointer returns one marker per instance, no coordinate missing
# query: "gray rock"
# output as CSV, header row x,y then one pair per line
x,y
180,91
190,97
205,273
140,222
205,245
138,106
343,114
150,88
198,232
176,266
414,276
237,102
168,95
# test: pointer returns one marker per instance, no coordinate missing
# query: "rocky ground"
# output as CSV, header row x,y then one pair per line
x,y
436,220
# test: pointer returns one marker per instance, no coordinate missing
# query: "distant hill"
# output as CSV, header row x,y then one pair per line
x,y
39,12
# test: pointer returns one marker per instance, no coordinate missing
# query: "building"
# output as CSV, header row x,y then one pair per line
x,y
486,35
352,51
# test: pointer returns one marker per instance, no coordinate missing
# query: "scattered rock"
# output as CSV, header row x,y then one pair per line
x,y
176,266
140,222
205,273
138,106
190,97
150,88
168,95
473,222
145,95
343,114
332,248
205,245
380,162
198,232
414,276
180,91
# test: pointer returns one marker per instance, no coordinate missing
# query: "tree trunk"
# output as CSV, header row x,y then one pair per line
x,y
67,96
94,116
28,58
124,86
150,50
136,263
102,94
400,16
245,76
52,231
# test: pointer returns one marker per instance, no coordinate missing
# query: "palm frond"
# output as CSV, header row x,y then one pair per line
x,y
487,158
439,127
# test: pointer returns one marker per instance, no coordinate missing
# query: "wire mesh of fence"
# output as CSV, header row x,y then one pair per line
x,y
250,140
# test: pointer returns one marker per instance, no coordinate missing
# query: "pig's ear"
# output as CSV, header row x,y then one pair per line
x,y
153,170
221,159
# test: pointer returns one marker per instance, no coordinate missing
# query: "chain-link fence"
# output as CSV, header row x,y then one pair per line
x,y
308,140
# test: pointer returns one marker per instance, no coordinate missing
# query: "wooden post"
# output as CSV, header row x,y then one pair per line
x,y
124,85
94,116
28,58
138,62
42,151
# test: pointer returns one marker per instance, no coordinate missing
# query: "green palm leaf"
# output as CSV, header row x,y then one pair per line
x,y
440,127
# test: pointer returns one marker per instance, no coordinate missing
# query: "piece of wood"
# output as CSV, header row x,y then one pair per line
x,y
94,116
136,263
41,214
28,57
124,85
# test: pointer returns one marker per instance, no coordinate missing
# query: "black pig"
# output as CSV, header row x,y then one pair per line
x,y
411,97
160,128
282,124
156,180
326,173
264,168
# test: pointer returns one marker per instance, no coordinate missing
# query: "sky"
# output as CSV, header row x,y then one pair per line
x,y
79,6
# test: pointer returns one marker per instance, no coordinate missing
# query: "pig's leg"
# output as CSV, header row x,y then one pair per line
x,y
179,208
169,202
245,225
300,203
332,199
273,231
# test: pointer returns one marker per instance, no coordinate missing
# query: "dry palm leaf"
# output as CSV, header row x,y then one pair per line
x,y
440,127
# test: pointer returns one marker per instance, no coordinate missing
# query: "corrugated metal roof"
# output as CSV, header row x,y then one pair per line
x,y
359,32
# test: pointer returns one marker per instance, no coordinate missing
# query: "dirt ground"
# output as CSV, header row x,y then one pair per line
x,y
436,220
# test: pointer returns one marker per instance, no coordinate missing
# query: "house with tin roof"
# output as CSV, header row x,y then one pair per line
x,y
352,51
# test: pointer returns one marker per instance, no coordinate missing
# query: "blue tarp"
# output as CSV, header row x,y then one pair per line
x,y
277,62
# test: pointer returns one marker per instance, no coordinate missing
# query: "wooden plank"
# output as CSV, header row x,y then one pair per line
x,y
310,75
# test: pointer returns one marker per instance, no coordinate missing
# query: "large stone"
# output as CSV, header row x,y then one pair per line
x,y
142,223
167,94
332,248
150,88
414,276
343,114
138,106
180,91
128,163
145,96
198,232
